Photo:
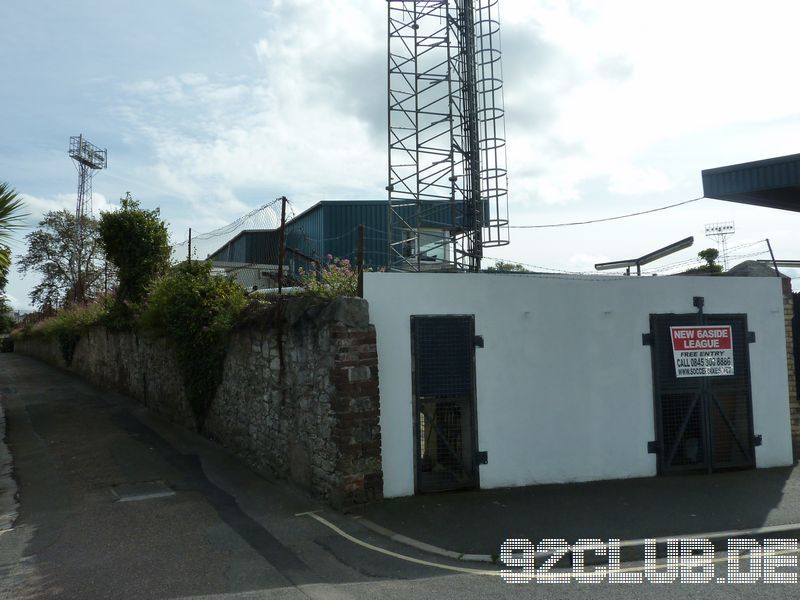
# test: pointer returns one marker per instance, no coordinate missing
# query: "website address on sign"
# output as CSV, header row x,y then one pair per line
x,y
705,371
688,560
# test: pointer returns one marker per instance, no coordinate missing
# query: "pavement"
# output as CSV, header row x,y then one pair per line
x,y
113,502
474,524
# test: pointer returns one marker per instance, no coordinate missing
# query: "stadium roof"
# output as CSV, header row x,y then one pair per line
x,y
772,183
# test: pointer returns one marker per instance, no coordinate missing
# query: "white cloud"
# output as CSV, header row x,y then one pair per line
x,y
585,263
630,180
37,206
14,302
298,129
263,50
590,90
620,78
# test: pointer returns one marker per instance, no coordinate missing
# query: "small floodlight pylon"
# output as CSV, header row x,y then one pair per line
x,y
719,232
87,158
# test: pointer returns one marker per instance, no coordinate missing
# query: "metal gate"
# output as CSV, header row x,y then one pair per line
x,y
443,359
702,423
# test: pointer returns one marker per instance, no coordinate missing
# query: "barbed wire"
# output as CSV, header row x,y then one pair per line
x,y
694,260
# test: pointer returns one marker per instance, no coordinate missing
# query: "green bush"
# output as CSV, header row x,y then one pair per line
x,y
68,325
7,321
77,318
137,243
196,310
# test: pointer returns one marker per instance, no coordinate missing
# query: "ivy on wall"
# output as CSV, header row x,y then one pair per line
x,y
196,311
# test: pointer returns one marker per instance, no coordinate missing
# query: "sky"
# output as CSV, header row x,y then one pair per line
x,y
210,109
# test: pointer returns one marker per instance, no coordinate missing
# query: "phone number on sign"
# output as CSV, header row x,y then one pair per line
x,y
689,560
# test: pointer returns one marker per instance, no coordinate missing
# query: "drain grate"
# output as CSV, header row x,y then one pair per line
x,y
134,492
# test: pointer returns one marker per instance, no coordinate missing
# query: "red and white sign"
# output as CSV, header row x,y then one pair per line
x,y
702,351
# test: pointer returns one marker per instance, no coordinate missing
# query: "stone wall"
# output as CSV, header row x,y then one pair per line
x,y
299,396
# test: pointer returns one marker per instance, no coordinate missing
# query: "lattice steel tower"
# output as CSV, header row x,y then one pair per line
x,y
87,158
448,193
720,232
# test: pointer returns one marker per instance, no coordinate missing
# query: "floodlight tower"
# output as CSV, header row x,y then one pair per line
x,y
87,158
447,178
719,232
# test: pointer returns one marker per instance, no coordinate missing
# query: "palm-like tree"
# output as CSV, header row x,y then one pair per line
x,y
11,218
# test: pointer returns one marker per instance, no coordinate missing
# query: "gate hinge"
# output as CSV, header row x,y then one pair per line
x,y
482,458
751,337
647,339
653,448
478,341
757,439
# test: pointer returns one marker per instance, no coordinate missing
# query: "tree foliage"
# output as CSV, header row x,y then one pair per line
x,y
709,255
137,243
11,217
196,310
507,267
54,251
6,322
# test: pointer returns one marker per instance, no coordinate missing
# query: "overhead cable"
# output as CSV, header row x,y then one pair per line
x,y
636,214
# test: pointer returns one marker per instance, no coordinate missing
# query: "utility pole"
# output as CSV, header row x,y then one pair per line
x,y
360,261
282,244
772,256
189,257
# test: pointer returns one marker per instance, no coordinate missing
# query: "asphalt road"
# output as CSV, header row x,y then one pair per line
x,y
224,531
